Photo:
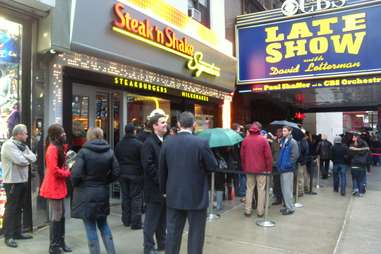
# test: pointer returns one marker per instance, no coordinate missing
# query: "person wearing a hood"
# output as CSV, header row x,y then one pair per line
x,y
340,154
95,168
358,152
286,164
128,152
256,157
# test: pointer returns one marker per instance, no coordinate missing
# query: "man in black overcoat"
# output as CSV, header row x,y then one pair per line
x,y
155,214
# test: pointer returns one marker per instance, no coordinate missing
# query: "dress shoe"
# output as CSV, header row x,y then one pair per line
x,y
23,237
11,243
287,212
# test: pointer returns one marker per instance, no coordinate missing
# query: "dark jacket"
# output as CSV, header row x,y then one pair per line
x,y
142,136
359,154
128,153
185,160
288,155
340,154
324,150
94,169
304,152
150,161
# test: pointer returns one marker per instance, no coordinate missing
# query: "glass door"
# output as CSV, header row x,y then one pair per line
x,y
94,107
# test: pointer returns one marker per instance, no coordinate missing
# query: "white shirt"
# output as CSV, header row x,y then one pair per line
x,y
185,131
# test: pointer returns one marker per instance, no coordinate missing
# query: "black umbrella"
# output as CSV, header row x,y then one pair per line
x,y
297,132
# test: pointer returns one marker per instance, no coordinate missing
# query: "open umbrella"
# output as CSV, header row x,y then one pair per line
x,y
220,137
297,132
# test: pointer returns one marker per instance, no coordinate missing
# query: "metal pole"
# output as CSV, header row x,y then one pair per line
x,y
266,222
211,215
297,205
318,173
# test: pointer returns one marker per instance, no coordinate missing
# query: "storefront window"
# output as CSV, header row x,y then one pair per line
x,y
10,87
205,118
139,107
10,76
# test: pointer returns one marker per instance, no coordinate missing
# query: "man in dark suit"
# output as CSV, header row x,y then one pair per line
x,y
155,214
184,163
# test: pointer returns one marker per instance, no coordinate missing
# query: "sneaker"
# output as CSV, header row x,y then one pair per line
x,y
354,193
11,243
360,195
283,209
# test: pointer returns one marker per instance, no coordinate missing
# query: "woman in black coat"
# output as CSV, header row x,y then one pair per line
x,y
95,168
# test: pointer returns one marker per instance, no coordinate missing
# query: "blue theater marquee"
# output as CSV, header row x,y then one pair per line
x,y
339,43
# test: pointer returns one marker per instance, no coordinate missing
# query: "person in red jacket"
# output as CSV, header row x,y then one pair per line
x,y
256,157
54,186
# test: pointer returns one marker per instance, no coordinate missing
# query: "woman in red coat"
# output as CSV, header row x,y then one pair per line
x,y
54,186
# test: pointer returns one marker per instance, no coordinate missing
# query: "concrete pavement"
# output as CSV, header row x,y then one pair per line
x,y
328,223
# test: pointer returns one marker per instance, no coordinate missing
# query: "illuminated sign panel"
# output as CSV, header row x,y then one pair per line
x,y
157,89
333,82
165,39
291,7
331,44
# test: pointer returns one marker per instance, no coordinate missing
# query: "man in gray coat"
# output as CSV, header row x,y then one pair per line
x,y
15,158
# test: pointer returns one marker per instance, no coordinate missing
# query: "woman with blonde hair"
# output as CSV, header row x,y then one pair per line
x,y
95,168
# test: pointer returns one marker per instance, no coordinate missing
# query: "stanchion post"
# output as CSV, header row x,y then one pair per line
x,y
266,222
318,173
297,204
211,215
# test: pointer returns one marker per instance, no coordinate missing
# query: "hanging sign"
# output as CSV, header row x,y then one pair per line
x,y
163,38
334,44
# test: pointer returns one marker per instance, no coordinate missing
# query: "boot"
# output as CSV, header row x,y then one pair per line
x,y
109,244
219,198
94,247
63,245
54,247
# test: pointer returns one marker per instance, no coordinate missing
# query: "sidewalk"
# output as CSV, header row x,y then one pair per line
x,y
327,224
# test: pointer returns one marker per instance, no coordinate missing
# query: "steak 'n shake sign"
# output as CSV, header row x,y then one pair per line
x,y
163,38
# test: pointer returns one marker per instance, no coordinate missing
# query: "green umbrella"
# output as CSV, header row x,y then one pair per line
x,y
219,137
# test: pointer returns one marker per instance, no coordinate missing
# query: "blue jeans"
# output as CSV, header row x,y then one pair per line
x,y
92,236
241,188
359,180
339,177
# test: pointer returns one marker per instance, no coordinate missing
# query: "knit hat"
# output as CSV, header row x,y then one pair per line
x,y
337,140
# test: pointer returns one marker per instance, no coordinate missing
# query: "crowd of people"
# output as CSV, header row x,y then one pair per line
x,y
164,172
